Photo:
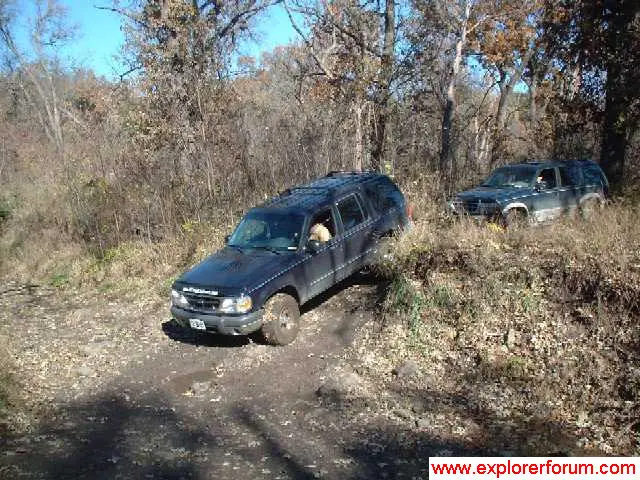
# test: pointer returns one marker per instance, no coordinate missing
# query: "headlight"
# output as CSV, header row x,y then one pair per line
x,y
240,304
454,204
178,299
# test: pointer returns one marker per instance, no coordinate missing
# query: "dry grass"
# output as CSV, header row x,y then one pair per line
x,y
133,267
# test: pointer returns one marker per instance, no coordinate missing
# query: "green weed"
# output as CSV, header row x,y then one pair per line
x,y
59,280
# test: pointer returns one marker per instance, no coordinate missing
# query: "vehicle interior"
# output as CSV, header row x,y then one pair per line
x,y
324,218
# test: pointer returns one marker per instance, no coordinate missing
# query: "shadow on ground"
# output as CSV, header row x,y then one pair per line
x,y
185,335
138,437
108,438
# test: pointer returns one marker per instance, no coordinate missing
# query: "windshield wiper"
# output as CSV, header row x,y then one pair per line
x,y
267,247
236,247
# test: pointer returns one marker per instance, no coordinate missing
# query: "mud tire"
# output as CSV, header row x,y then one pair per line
x,y
281,320
589,207
515,219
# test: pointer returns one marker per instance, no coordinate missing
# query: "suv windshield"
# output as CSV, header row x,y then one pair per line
x,y
268,230
505,177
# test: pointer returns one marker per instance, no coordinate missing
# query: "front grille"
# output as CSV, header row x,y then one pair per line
x,y
471,206
467,206
202,303
476,207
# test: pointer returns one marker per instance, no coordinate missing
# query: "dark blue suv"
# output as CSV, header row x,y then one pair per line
x,y
287,251
535,192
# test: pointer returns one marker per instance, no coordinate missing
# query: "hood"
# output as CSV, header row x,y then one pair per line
x,y
488,194
230,271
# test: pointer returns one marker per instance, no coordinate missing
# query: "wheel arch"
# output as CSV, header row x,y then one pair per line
x,y
517,206
287,289
591,196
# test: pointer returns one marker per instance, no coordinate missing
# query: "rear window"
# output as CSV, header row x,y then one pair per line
x,y
383,195
593,175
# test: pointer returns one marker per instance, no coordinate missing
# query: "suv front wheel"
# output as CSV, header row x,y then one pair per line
x,y
281,319
515,219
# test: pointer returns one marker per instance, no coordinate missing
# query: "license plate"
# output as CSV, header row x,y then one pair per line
x,y
197,324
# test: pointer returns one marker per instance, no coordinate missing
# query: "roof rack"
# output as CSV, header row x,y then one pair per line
x,y
340,173
289,191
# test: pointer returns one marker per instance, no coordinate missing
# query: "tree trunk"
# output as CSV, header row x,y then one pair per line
x,y
446,160
533,106
614,139
384,95
506,89
359,148
618,122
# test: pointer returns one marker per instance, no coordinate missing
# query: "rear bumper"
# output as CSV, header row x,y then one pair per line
x,y
223,324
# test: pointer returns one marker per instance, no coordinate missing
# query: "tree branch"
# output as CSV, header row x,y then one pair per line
x,y
328,73
131,70
242,15
123,13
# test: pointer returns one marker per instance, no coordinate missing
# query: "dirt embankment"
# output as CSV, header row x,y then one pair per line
x,y
528,340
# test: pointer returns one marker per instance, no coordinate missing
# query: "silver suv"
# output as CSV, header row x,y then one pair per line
x,y
535,192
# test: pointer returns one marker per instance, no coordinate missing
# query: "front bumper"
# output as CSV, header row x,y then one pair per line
x,y
490,214
223,324
478,218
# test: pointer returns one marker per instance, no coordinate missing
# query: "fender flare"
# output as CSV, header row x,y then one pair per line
x,y
286,287
511,206
591,196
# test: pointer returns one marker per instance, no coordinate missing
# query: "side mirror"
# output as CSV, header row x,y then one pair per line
x,y
313,246
541,185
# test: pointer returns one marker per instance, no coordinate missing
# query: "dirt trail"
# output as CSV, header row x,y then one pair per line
x,y
127,394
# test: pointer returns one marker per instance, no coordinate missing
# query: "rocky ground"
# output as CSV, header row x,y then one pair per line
x,y
114,389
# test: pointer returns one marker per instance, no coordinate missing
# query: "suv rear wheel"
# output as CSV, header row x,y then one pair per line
x,y
589,207
281,319
384,247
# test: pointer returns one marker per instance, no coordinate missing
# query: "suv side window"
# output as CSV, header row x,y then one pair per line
x,y
350,211
548,176
325,219
569,176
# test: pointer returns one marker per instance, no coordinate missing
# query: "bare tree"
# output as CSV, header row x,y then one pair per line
x,y
458,14
36,76
353,47
384,92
